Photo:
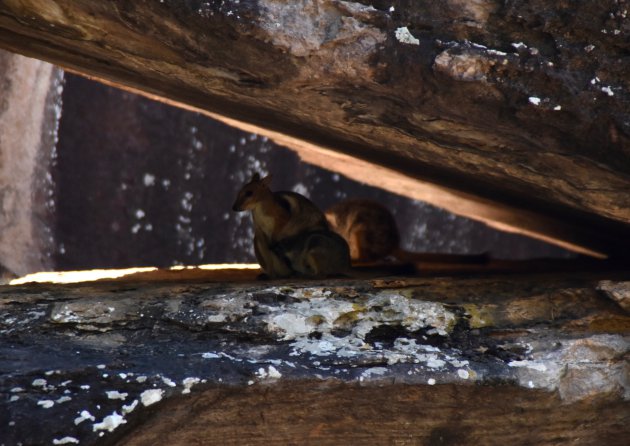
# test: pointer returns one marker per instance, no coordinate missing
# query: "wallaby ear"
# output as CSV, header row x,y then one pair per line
x,y
256,177
267,180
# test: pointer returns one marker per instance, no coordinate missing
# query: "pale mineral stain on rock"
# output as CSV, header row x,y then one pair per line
x,y
151,396
305,28
464,65
109,423
403,35
618,291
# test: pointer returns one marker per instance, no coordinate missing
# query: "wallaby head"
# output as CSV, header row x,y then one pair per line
x,y
254,192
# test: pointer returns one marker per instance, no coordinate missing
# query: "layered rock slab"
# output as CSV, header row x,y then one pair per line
x,y
480,359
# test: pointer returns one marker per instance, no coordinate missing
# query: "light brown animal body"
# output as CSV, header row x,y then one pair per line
x,y
367,226
280,217
372,234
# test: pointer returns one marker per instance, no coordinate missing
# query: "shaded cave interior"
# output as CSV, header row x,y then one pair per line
x,y
138,182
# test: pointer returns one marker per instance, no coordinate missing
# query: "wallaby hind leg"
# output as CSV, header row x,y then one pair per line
x,y
356,242
270,262
325,254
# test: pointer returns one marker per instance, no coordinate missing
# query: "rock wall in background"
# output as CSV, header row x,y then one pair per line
x,y
30,93
142,183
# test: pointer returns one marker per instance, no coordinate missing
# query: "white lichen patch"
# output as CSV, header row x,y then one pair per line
x,y
273,373
434,362
302,318
494,52
65,440
459,363
216,318
109,423
116,395
128,408
188,383
328,315
403,35
46,404
534,100
373,371
533,365
270,373
148,179
151,396
169,382
413,314
83,416
224,308
407,350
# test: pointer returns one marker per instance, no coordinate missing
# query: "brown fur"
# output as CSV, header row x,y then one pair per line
x,y
278,215
281,216
316,254
367,226
371,232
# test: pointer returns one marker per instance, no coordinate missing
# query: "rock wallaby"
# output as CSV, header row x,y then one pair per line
x,y
291,234
371,232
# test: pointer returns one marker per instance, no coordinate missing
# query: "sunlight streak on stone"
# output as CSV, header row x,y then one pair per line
x,y
99,274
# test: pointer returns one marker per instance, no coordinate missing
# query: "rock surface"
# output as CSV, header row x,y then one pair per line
x,y
29,112
217,357
514,113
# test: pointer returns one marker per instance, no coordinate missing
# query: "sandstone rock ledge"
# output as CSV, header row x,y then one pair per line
x,y
530,359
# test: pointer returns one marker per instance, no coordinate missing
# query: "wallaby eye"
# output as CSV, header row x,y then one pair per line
x,y
248,193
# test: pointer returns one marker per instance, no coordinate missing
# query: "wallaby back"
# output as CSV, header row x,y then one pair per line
x,y
371,232
304,215
367,226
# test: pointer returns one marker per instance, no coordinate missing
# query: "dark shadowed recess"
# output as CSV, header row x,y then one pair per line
x,y
143,183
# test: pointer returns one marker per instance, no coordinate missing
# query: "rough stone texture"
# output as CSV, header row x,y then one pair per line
x,y
215,357
28,121
618,291
514,113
